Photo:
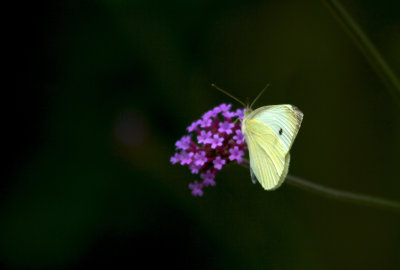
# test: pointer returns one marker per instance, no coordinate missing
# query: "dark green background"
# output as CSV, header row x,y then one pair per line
x,y
101,90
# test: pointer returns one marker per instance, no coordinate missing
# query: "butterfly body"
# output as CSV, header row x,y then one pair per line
x,y
270,132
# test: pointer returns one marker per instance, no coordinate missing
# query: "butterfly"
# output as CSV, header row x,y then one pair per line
x,y
269,132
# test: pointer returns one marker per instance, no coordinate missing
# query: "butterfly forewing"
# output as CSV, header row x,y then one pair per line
x,y
283,120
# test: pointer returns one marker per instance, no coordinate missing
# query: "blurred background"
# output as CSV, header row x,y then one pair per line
x,y
101,90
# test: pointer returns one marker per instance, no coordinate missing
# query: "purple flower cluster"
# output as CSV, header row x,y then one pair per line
x,y
214,141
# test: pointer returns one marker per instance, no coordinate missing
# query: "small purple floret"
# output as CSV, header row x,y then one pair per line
x,y
226,127
236,154
209,114
196,188
225,107
229,114
218,163
183,143
239,137
200,158
195,168
175,158
204,137
193,126
186,157
240,113
208,178
216,141
206,122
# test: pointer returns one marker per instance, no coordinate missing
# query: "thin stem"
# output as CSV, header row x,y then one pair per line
x,y
367,48
338,194
342,195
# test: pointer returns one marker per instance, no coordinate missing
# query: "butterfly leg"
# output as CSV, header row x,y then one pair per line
x,y
253,177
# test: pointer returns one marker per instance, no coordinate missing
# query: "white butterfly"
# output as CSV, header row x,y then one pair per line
x,y
269,132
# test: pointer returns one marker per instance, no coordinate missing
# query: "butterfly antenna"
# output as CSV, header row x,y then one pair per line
x,y
229,95
259,95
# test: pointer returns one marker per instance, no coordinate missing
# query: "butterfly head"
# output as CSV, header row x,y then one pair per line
x,y
247,111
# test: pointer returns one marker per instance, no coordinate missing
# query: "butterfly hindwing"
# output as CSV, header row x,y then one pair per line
x,y
285,171
267,154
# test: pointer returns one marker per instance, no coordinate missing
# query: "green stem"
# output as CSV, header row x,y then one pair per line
x,y
338,194
342,195
367,48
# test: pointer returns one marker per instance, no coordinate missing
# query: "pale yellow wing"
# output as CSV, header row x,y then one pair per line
x,y
269,162
283,120
270,132
254,178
